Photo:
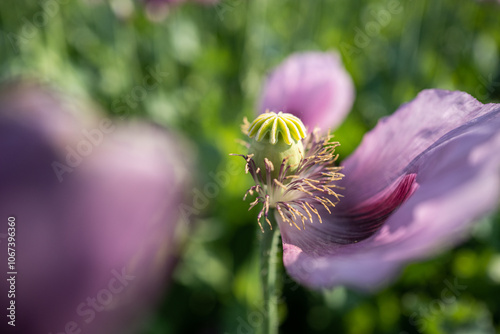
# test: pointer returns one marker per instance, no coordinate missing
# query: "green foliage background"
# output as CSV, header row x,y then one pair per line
x,y
216,58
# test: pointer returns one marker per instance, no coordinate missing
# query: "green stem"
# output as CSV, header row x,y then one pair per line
x,y
269,247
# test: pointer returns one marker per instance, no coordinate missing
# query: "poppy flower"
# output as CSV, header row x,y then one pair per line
x,y
94,204
413,187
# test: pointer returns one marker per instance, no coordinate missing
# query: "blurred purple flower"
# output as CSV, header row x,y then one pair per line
x,y
412,188
313,86
94,244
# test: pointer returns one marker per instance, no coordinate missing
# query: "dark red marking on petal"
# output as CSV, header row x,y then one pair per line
x,y
366,218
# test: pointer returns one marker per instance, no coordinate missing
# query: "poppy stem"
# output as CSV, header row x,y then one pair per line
x,y
269,248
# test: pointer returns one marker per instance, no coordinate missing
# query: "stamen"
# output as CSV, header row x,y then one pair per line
x,y
269,223
260,225
307,211
279,184
245,126
295,193
254,203
322,201
278,207
315,211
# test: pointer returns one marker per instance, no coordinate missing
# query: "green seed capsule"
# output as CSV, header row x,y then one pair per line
x,y
277,137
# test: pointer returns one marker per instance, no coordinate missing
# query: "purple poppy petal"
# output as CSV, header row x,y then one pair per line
x,y
313,86
457,180
104,230
401,137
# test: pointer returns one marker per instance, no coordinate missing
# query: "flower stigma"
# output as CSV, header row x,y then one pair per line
x,y
293,170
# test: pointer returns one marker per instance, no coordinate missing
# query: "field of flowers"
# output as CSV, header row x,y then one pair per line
x,y
197,69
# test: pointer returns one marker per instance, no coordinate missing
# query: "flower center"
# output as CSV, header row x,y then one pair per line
x,y
276,137
293,177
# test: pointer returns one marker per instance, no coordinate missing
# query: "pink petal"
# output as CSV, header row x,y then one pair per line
x,y
451,143
116,209
313,86
398,139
